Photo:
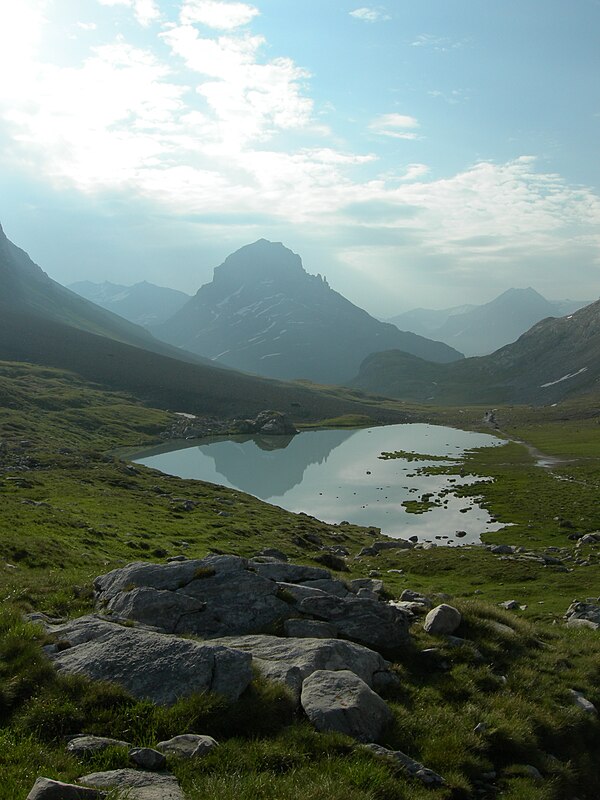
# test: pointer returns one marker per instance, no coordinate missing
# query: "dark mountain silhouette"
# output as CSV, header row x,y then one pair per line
x,y
554,359
479,330
143,303
264,314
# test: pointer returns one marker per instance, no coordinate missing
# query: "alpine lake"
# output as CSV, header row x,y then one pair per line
x,y
340,475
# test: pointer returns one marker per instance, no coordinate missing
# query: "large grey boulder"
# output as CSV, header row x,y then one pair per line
x,y
309,629
342,702
213,596
48,789
442,619
155,666
137,785
290,661
586,611
362,620
290,573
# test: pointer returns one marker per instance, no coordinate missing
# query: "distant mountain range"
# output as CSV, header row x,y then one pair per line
x,y
43,323
479,330
555,358
263,313
143,303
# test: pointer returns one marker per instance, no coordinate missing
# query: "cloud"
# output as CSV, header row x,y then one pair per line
x,y
87,26
369,14
217,14
414,171
440,43
398,126
146,11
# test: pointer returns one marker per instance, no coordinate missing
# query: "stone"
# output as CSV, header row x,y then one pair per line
x,y
368,622
137,785
290,573
151,665
374,584
309,629
502,549
48,789
290,661
90,745
407,764
340,701
390,544
408,596
187,745
583,703
575,622
298,591
147,758
442,619
272,552
159,608
509,605
587,610
333,561
329,586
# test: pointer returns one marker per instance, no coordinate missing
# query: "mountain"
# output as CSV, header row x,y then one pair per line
x,y
25,287
554,359
263,313
479,330
143,303
43,323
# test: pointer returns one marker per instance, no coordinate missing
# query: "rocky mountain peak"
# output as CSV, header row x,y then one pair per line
x,y
260,261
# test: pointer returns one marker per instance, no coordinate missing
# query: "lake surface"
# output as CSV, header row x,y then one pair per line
x,y
337,475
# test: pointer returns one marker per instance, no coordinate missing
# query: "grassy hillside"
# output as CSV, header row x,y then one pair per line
x,y
70,510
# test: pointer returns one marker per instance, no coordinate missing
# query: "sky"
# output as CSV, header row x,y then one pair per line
x,y
417,154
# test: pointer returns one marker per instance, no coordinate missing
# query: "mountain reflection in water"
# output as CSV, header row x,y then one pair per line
x,y
337,475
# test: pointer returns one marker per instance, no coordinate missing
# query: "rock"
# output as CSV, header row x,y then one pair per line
x,y
309,629
151,665
290,661
588,611
441,620
47,789
298,591
329,586
502,549
90,745
501,628
340,701
410,607
481,727
290,573
533,772
509,605
187,745
272,552
368,622
161,609
590,538
407,764
415,597
138,785
332,561
583,703
575,622
373,584
147,758
389,544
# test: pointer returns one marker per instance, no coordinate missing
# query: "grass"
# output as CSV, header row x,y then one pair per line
x,y
70,512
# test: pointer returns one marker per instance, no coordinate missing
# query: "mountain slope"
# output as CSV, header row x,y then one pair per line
x,y
264,314
479,330
143,303
554,359
24,286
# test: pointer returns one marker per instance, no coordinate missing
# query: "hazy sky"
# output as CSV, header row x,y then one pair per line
x,y
417,153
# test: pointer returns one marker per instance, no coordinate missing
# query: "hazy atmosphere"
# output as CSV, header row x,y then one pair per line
x,y
416,154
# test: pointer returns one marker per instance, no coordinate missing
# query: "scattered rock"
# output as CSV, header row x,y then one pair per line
x,y
389,544
340,701
90,745
502,549
272,552
443,619
583,703
509,605
583,611
187,745
47,789
407,765
408,596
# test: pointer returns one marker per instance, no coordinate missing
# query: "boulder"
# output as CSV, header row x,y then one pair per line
x,y
442,619
47,789
309,629
408,596
187,745
329,586
154,666
136,784
368,622
340,701
588,611
583,703
374,584
147,758
290,573
290,661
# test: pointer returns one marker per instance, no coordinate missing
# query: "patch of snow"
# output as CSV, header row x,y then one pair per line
x,y
224,353
564,378
183,414
270,355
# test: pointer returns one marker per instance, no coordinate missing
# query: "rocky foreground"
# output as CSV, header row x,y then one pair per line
x,y
166,631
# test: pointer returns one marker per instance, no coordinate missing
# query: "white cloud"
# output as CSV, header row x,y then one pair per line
x,y
369,14
398,126
87,26
146,11
440,43
216,14
414,171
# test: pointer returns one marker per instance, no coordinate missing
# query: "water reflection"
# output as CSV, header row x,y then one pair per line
x,y
336,475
